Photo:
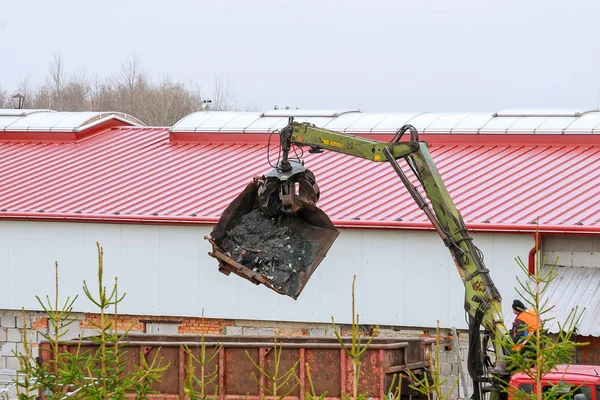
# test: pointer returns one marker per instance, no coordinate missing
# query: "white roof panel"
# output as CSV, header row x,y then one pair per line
x,y
317,121
472,123
394,122
344,121
216,122
368,122
11,112
585,124
27,122
190,122
241,122
6,120
555,124
499,125
72,121
423,121
527,125
445,123
46,122
541,113
267,124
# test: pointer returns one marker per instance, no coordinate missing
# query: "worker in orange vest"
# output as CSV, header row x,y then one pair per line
x,y
526,323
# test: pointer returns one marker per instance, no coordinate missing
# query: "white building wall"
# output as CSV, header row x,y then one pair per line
x,y
404,278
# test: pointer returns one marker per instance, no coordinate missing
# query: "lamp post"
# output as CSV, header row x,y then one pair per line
x,y
18,101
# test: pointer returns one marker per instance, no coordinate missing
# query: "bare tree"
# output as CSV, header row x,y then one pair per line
x,y
76,93
5,99
172,101
43,99
55,82
130,91
223,99
131,73
25,88
102,94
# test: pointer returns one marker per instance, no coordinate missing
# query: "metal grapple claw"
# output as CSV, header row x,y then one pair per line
x,y
287,192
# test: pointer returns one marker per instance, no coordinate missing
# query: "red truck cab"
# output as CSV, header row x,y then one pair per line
x,y
586,378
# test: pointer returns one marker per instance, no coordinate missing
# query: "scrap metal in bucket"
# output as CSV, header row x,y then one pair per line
x,y
279,252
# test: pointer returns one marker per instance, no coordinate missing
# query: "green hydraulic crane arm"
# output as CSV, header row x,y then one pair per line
x,y
482,302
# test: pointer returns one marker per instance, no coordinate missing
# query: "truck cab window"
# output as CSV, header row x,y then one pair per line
x,y
584,390
563,389
526,388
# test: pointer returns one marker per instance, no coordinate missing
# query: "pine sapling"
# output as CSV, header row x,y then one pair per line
x,y
432,389
275,376
356,349
197,382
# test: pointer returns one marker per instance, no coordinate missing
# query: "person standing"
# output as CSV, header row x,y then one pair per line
x,y
525,324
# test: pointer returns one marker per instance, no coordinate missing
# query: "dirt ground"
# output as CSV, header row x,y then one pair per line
x,y
269,247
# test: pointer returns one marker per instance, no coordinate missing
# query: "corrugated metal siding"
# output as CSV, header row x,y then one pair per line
x,y
404,278
138,172
575,287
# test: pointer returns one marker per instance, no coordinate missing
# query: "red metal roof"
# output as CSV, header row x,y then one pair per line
x,y
133,174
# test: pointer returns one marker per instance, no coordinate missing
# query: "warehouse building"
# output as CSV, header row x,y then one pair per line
x,y
149,196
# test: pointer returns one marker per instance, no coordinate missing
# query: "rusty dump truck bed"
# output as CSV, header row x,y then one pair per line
x,y
330,368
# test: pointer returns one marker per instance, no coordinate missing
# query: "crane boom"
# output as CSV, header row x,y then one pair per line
x,y
482,301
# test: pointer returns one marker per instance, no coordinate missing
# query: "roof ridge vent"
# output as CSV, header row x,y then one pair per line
x,y
307,113
12,112
573,113
55,125
249,122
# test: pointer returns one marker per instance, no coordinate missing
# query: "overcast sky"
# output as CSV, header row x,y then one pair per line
x,y
381,55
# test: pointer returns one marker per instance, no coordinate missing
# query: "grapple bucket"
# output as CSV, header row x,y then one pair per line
x,y
280,253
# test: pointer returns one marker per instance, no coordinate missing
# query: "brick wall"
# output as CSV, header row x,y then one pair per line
x,y
210,326
138,323
124,322
11,335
